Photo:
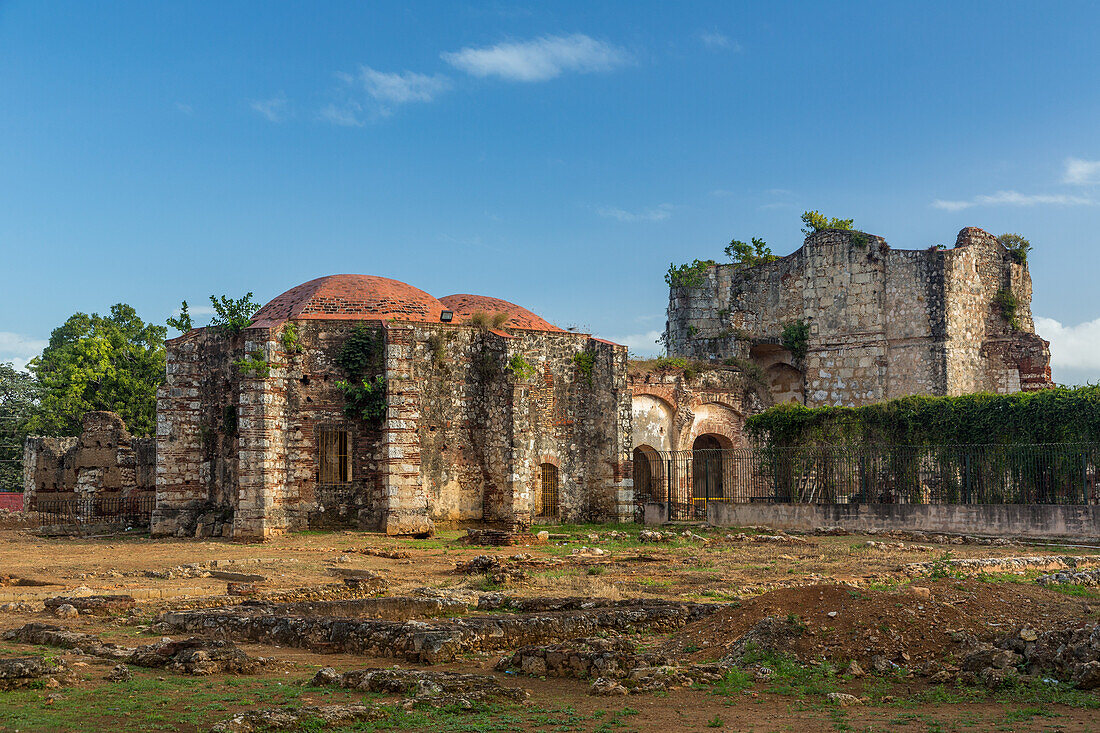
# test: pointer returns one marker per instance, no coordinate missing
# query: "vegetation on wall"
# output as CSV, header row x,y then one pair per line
x,y
1057,415
292,343
182,322
522,370
254,364
585,362
365,387
233,316
690,275
484,320
1008,304
743,254
1017,246
815,222
796,339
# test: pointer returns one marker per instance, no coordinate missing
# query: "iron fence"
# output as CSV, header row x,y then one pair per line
x,y
129,510
956,474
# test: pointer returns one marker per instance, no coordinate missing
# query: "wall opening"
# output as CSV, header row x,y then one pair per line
x,y
706,465
548,504
643,477
335,458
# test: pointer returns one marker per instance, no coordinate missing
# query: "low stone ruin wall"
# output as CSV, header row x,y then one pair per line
x,y
441,641
1077,521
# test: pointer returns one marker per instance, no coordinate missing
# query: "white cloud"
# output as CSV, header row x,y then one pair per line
x,y
345,115
273,110
185,108
540,59
1081,172
1074,350
374,93
715,40
1012,198
403,87
659,213
19,349
642,344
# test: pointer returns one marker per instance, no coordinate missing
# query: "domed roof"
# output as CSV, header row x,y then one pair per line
x,y
351,297
465,305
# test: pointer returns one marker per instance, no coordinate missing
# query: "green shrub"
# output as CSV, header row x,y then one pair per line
x,y
749,255
1017,246
254,364
519,367
816,222
585,362
291,343
796,339
690,275
233,316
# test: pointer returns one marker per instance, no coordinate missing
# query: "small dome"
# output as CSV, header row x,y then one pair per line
x,y
351,297
465,306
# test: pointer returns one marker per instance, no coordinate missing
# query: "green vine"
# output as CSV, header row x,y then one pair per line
x,y
1017,247
585,363
1056,415
1007,302
254,364
366,399
365,388
521,368
796,339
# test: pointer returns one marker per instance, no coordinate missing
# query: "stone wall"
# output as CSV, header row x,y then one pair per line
x,y
883,323
464,437
104,462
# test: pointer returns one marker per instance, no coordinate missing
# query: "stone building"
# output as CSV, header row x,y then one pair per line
x,y
362,401
879,323
688,410
105,462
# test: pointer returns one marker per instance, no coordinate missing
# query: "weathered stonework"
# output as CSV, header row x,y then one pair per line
x,y
464,437
104,462
883,323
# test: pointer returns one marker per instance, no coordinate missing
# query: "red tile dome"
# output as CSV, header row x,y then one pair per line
x,y
351,297
465,306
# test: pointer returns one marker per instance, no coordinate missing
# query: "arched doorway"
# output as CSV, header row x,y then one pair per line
x,y
549,506
706,471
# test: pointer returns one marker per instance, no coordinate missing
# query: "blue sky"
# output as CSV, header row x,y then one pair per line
x,y
558,155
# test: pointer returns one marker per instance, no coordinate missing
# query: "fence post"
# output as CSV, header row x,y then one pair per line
x,y
668,489
1084,478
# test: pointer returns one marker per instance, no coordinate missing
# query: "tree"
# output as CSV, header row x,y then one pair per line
x,y
94,362
749,255
815,222
1017,247
18,397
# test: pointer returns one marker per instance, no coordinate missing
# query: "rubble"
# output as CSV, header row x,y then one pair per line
x,y
30,672
195,655
92,605
1085,577
973,566
423,687
320,717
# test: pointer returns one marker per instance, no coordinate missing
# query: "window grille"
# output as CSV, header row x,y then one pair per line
x,y
335,458
549,508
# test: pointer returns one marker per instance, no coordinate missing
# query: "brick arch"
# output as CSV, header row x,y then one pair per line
x,y
654,419
549,458
714,418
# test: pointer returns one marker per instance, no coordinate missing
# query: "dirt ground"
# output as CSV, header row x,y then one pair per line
x,y
856,600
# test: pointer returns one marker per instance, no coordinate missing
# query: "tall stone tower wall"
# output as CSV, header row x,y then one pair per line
x,y
883,323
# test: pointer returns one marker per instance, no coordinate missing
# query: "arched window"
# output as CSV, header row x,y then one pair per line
x,y
549,507
707,467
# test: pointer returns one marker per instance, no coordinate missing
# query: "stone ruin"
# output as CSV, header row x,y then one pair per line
x,y
883,323
484,412
105,462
